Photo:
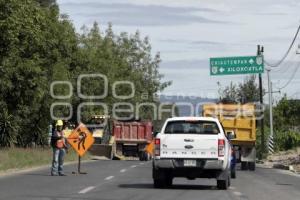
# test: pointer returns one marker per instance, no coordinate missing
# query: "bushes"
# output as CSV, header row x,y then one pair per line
x,y
285,140
286,125
259,150
7,131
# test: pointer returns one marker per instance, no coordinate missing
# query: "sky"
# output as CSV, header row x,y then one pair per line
x,y
188,32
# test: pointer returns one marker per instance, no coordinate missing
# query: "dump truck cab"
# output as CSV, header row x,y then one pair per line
x,y
99,125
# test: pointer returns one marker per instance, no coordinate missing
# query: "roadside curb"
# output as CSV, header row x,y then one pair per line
x,y
271,165
280,166
14,172
285,167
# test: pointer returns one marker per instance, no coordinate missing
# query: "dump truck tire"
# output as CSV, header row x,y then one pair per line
x,y
244,165
251,166
141,156
233,174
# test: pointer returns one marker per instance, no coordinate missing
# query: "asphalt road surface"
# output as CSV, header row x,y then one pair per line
x,y
131,180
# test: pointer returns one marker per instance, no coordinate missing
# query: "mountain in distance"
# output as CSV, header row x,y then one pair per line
x,y
187,105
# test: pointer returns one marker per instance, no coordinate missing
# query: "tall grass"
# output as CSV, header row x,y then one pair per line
x,y
20,158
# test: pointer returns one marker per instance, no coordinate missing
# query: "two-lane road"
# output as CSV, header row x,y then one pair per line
x,y
131,180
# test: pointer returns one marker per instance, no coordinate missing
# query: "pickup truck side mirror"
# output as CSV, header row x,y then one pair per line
x,y
230,135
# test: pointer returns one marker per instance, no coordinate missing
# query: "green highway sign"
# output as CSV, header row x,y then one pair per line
x,y
237,65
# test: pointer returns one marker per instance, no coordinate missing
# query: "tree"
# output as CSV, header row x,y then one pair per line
x,y
39,46
229,94
286,114
33,48
245,92
47,3
120,58
249,90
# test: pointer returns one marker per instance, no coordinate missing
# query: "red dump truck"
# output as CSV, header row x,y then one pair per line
x,y
120,139
131,138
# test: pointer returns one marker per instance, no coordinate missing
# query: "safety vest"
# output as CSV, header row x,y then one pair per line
x,y
60,143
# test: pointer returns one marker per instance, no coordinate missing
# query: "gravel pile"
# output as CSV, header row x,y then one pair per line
x,y
289,160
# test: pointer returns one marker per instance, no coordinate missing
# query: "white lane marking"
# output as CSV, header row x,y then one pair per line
x,y
133,166
142,163
123,170
85,190
237,193
108,178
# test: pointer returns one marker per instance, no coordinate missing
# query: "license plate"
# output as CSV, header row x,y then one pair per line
x,y
190,163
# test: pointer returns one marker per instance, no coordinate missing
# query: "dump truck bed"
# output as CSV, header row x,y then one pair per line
x,y
132,132
234,117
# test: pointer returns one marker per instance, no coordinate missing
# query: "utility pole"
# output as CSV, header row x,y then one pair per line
x,y
271,144
262,130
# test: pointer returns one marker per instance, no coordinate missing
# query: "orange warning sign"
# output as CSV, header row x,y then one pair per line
x,y
81,139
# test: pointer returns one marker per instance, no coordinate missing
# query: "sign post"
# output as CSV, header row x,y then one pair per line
x,y
81,140
236,65
241,65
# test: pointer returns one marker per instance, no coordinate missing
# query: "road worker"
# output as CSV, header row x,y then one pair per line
x,y
59,147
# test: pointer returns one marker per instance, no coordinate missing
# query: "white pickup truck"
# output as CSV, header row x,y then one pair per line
x,y
191,147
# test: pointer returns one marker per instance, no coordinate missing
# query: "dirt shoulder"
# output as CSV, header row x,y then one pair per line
x,y
288,160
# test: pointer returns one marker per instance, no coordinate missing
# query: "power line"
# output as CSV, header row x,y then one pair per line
x,y
286,54
286,66
291,78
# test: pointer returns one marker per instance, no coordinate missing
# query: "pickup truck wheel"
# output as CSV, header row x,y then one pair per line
x,y
251,166
233,173
158,183
223,184
244,165
159,178
169,181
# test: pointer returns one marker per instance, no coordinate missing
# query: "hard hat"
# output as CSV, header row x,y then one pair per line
x,y
59,123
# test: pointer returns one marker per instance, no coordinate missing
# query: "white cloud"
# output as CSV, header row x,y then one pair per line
x,y
190,30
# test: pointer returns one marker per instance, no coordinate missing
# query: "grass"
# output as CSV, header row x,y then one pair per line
x,y
19,158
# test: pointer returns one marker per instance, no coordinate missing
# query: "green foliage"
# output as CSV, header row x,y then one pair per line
x,y
46,3
287,139
121,58
21,158
36,48
7,130
39,46
249,90
229,94
286,120
286,124
286,114
262,153
245,92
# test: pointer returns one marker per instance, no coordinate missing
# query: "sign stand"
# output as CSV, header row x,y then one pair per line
x,y
79,167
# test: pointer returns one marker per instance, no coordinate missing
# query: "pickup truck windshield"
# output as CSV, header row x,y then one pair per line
x,y
191,127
